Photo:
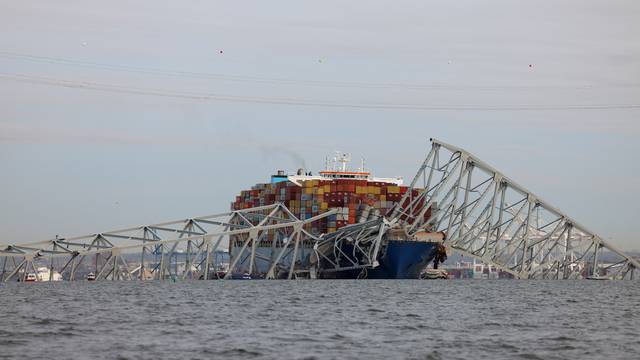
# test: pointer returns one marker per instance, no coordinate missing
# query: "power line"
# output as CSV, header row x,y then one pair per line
x,y
283,81
86,85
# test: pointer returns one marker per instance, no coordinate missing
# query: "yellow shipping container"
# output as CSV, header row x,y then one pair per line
x,y
361,189
393,189
320,190
327,188
383,197
373,190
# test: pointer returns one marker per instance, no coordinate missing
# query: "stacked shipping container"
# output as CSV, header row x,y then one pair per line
x,y
355,200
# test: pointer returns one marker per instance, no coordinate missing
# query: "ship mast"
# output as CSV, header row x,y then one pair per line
x,y
344,159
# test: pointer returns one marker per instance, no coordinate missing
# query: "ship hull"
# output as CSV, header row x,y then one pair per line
x,y
402,259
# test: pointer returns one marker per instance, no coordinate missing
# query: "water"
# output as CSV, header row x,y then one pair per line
x,y
321,319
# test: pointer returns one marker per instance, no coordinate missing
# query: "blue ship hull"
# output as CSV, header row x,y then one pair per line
x,y
402,259
398,259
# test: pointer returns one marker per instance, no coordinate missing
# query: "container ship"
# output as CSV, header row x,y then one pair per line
x,y
358,197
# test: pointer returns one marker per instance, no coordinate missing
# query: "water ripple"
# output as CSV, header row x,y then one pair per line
x,y
321,320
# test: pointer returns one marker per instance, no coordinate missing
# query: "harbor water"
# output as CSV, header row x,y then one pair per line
x,y
502,319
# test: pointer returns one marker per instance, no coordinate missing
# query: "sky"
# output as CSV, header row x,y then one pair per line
x,y
121,113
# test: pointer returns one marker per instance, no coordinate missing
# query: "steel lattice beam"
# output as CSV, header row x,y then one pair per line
x,y
490,217
109,254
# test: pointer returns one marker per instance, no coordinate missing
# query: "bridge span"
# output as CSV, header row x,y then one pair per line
x,y
484,214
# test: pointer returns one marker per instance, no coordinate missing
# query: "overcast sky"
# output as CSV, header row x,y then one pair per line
x,y
121,113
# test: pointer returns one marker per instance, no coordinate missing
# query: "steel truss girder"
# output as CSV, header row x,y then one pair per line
x,y
489,217
364,242
110,254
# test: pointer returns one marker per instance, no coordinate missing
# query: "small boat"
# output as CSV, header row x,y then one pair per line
x,y
31,277
91,277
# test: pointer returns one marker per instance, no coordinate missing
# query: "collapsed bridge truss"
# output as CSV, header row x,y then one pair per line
x,y
484,214
172,250
489,217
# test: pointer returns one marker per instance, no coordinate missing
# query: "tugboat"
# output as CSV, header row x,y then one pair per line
x,y
31,277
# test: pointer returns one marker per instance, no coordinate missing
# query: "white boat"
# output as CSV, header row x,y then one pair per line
x,y
31,277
